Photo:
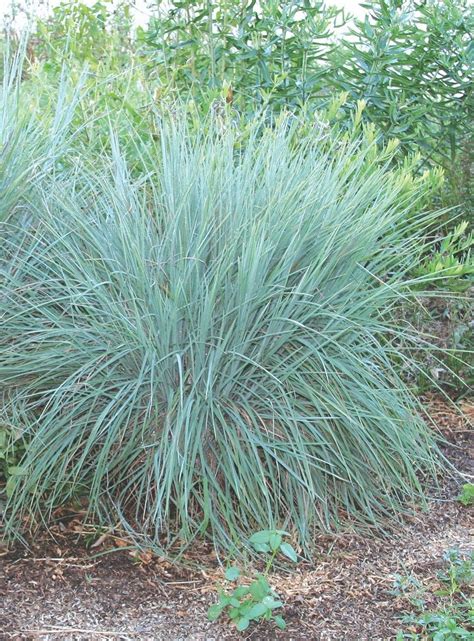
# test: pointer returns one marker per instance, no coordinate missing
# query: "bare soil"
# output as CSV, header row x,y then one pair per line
x,y
61,590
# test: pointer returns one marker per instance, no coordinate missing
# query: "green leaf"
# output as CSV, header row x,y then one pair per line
x,y
272,603
280,622
16,470
224,598
214,611
232,573
10,486
275,540
242,624
289,552
259,588
240,591
261,537
257,610
467,494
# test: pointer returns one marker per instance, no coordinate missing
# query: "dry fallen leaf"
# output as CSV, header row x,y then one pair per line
x,y
121,543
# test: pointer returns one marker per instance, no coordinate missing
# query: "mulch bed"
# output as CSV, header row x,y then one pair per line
x,y
59,590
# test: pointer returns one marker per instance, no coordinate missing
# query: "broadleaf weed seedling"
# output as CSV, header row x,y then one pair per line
x,y
410,588
256,601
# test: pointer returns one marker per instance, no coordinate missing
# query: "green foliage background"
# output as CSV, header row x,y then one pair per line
x,y
411,62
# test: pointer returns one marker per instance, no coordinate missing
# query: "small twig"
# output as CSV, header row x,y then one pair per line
x,y
61,561
56,630
189,586
50,558
101,539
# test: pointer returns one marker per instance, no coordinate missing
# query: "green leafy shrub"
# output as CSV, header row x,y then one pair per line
x,y
409,62
272,54
452,258
210,349
78,33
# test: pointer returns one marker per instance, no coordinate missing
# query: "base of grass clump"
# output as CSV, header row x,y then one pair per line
x,y
210,352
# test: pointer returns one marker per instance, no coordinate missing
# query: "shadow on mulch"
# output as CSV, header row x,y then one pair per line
x,y
60,591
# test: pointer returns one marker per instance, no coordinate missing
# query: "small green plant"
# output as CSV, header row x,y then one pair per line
x,y
467,494
454,618
12,449
451,624
453,262
410,588
256,601
459,572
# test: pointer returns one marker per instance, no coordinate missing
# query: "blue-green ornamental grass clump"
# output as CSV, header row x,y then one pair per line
x,y
208,351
